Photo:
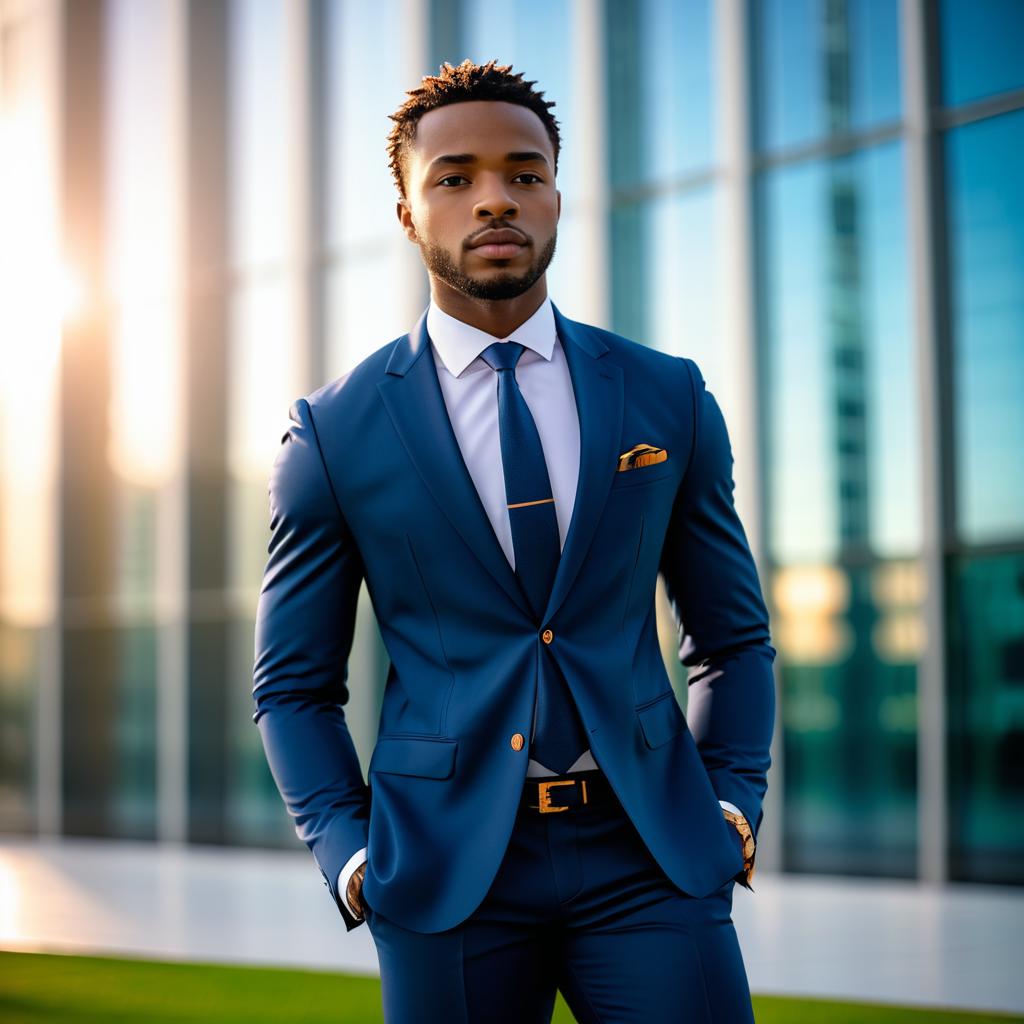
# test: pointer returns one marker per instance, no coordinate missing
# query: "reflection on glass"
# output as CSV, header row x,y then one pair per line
x,y
569,289
143,239
258,149
986,591
981,48
665,269
986,718
31,296
33,290
824,67
134,797
109,703
842,462
660,89
263,383
843,508
21,662
364,305
109,785
143,233
985,167
536,38
364,83
266,363
254,813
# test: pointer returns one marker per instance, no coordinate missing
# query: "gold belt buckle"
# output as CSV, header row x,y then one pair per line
x,y
544,795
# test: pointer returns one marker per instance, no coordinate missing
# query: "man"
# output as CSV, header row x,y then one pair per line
x,y
540,814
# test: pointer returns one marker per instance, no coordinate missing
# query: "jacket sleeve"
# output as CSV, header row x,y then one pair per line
x,y
304,627
712,584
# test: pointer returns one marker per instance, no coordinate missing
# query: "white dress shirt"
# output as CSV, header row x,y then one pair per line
x,y
469,386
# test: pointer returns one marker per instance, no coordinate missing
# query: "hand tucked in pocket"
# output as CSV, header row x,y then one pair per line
x,y
354,893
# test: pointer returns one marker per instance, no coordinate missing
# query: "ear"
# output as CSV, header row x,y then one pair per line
x,y
405,219
559,195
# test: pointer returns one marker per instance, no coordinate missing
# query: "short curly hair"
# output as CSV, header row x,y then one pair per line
x,y
468,81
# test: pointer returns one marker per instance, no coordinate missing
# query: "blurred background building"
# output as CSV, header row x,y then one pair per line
x,y
820,201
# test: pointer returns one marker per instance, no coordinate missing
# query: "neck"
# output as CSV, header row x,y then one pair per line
x,y
497,317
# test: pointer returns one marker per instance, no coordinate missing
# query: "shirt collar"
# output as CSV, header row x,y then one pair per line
x,y
458,343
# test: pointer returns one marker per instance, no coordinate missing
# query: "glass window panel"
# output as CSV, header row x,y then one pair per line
x,y
536,38
365,308
843,508
258,120
254,813
567,287
143,256
365,82
666,272
981,48
265,379
985,168
21,663
661,89
986,591
110,685
844,450
33,288
986,718
109,733
134,795
824,68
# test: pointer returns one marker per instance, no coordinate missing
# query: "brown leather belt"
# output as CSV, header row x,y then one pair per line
x,y
551,794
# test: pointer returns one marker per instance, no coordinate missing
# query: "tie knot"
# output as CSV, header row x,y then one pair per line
x,y
502,355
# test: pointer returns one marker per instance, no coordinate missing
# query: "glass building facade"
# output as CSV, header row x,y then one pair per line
x,y
817,200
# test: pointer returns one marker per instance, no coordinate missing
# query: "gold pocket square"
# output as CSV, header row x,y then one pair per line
x,y
641,455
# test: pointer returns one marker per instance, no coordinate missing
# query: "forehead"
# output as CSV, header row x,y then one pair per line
x,y
486,128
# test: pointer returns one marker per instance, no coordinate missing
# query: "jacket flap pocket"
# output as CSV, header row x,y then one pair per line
x,y
661,720
414,755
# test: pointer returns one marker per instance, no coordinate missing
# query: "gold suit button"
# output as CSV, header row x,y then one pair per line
x,y
547,636
517,741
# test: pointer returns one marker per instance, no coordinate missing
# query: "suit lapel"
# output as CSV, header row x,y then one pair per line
x,y
412,396
598,391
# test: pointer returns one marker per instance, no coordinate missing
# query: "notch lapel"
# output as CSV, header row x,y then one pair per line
x,y
598,391
412,396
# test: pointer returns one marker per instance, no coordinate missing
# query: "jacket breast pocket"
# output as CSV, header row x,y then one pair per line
x,y
644,474
423,756
661,720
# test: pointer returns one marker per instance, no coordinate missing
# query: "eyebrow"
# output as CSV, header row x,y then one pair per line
x,y
470,158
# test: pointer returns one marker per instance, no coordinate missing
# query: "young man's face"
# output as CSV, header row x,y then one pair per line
x,y
503,178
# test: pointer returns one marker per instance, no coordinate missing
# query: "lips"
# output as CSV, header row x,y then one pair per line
x,y
500,243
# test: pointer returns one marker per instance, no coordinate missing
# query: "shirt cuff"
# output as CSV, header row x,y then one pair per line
x,y
346,873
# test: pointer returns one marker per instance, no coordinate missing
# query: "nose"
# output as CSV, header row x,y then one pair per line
x,y
495,202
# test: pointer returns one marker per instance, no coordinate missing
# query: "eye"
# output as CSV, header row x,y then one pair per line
x,y
449,178
529,174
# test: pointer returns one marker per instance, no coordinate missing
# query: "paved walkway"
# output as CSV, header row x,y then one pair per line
x,y
888,941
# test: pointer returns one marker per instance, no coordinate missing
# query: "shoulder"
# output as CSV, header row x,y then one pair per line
x,y
643,362
360,382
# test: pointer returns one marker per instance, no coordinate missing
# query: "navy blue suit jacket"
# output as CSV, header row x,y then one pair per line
x,y
369,483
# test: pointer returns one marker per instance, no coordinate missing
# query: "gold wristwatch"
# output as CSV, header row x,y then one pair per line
x,y
743,827
355,889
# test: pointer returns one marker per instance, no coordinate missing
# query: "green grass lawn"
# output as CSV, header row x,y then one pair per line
x,y
45,987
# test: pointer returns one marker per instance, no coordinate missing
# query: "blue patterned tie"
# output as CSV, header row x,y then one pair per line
x,y
559,738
